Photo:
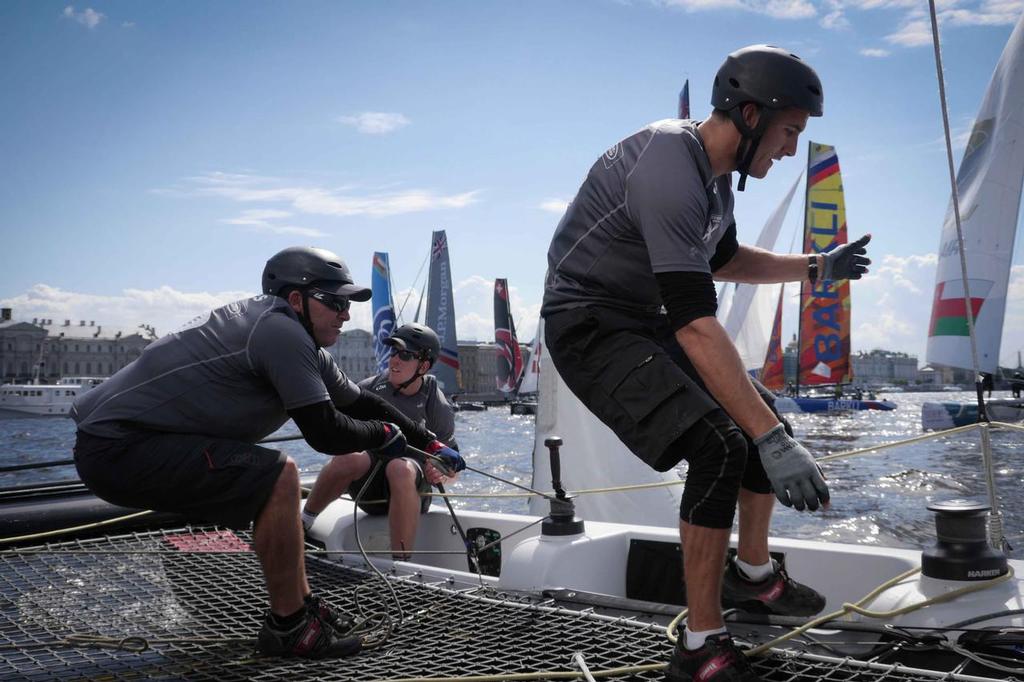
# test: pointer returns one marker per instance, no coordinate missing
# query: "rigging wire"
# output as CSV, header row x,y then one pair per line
x,y
996,538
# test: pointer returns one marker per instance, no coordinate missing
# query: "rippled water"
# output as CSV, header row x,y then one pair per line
x,y
877,499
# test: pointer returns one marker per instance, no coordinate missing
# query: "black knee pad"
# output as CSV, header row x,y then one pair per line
x,y
717,456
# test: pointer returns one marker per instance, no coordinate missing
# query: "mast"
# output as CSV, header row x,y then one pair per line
x,y
804,283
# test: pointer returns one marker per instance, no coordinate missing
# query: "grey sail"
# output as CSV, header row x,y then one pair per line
x,y
441,315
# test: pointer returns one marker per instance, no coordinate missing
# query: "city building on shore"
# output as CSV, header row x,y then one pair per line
x,y
353,351
47,350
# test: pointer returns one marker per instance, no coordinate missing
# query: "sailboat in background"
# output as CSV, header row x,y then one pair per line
x,y
823,348
383,308
989,184
750,308
509,357
441,315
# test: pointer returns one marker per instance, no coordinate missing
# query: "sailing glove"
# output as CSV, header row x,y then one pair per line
x,y
394,443
450,458
847,261
795,476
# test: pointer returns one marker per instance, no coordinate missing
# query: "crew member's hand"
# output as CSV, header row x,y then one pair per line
x,y
393,445
795,476
434,475
450,458
847,261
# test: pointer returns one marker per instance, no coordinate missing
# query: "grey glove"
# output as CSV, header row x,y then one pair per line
x,y
847,261
795,476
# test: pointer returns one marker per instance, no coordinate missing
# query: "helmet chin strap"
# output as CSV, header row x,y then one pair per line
x,y
307,323
750,139
406,384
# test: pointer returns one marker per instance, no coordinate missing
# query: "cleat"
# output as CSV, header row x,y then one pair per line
x,y
719,660
777,594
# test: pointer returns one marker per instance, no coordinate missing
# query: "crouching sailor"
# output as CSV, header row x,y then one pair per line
x,y
176,430
629,309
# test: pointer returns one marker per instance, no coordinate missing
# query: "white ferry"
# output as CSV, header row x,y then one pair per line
x,y
43,400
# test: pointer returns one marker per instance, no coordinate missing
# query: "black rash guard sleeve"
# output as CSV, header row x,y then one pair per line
x,y
687,296
333,433
371,406
726,249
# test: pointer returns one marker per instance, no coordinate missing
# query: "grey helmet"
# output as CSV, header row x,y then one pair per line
x,y
770,77
417,338
301,266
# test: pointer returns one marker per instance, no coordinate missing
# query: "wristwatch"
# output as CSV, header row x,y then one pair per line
x,y
812,268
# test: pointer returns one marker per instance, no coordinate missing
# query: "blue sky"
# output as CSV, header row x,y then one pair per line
x,y
155,154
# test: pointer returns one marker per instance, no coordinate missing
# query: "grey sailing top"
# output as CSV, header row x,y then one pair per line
x,y
649,205
233,375
427,406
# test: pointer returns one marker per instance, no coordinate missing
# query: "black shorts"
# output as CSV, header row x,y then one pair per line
x,y
206,479
632,374
380,490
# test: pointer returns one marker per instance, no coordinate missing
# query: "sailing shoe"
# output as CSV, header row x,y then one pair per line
x,y
777,594
310,638
719,660
336,618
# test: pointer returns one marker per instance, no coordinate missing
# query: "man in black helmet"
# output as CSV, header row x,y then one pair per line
x,y
403,482
176,430
629,309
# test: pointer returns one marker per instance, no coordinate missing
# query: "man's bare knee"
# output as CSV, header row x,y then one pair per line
x,y
401,473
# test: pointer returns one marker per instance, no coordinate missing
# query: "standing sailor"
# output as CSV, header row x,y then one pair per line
x,y
176,430
629,310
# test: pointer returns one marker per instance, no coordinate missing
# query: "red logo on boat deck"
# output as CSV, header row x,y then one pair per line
x,y
774,593
208,541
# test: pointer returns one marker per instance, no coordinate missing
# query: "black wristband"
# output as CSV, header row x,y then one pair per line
x,y
812,268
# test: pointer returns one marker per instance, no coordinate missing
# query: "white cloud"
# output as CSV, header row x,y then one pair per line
x,y
876,52
892,307
554,206
89,17
779,9
263,220
165,308
914,33
375,122
313,200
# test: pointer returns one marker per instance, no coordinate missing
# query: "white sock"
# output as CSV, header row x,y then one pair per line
x,y
755,574
308,519
695,640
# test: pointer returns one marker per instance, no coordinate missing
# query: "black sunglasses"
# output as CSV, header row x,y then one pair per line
x,y
405,355
338,304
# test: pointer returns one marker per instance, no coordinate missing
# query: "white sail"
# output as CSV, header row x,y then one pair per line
x,y
749,316
593,457
531,374
989,188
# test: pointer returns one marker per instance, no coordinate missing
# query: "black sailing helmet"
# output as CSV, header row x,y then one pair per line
x,y
770,77
418,338
303,266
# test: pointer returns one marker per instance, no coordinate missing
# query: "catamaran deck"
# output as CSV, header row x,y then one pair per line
x,y
187,604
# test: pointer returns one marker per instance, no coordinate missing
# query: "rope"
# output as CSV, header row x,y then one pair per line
x,y
859,608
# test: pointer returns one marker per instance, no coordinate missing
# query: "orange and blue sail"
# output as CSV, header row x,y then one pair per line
x,y
824,353
383,308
